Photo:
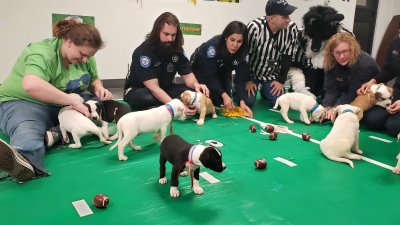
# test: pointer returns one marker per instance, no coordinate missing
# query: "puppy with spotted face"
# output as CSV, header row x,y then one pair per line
x,y
79,125
109,111
203,104
180,154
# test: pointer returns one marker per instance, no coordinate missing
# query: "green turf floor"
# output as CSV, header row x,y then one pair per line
x,y
316,191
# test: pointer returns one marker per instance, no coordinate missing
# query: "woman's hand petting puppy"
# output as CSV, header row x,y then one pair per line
x,y
394,108
329,115
363,89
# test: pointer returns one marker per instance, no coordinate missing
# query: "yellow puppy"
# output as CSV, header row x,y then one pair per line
x,y
202,103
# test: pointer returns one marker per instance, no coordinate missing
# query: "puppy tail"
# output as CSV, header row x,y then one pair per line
x,y
338,159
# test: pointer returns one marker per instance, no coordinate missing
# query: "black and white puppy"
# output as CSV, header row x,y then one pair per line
x,y
111,110
79,125
180,154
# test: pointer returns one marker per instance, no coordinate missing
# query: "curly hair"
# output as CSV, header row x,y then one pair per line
x,y
166,18
333,42
79,33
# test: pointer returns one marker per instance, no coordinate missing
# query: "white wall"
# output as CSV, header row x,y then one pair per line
x,y
124,23
386,10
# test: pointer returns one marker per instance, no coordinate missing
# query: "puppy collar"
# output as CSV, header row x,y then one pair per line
x,y
194,98
196,154
347,110
170,109
314,108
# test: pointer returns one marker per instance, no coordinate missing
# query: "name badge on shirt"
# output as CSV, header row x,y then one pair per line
x,y
170,68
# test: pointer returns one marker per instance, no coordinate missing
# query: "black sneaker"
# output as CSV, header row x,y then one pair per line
x,y
14,164
52,137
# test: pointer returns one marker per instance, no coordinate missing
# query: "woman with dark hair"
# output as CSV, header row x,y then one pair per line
x,y
154,65
48,74
346,67
214,61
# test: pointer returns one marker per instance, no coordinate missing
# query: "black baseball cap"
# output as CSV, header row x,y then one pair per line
x,y
280,7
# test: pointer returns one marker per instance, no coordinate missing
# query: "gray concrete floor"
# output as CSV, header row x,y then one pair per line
x,y
117,92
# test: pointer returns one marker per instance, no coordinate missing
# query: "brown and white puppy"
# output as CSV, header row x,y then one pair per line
x,y
151,120
302,103
342,140
180,154
110,110
79,125
377,94
202,103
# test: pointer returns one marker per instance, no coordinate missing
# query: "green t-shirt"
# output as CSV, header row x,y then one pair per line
x,y
43,59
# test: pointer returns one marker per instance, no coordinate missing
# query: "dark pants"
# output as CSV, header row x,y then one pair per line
x,y
377,118
315,81
142,98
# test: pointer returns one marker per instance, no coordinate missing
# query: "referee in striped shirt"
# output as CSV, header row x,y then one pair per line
x,y
272,40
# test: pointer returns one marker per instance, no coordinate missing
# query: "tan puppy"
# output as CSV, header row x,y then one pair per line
x,y
377,94
202,103
342,140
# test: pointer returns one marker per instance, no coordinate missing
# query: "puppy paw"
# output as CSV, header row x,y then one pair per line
x,y
396,170
137,148
163,180
106,142
184,173
112,138
200,122
214,116
122,157
198,190
307,122
289,121
174,192
75,146
359,151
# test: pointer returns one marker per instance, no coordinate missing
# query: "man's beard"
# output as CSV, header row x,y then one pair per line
x,y
165,50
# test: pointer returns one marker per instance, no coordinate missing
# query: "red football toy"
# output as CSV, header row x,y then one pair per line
x,y
273,136
306,136
253,128
269,128
101,201
260,164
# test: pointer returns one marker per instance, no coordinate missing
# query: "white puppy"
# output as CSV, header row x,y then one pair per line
x,y
396,169
79,125
302,103
342,140
155,119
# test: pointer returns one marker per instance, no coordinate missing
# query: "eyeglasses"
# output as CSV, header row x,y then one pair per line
x,y
339,53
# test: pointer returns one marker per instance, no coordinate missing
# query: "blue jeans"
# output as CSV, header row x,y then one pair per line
x,y
26,123
265,92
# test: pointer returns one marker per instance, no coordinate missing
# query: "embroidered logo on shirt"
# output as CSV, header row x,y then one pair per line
x,y
211,52
145,61
175,58
235,62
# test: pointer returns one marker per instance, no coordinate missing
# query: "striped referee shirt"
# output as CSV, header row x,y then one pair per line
x,y
267,49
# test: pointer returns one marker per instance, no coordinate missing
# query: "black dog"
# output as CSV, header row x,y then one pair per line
x,y
180,154
110,110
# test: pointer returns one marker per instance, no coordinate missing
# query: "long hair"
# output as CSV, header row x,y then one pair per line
x,y
79,33
234,27
333,42
166,18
